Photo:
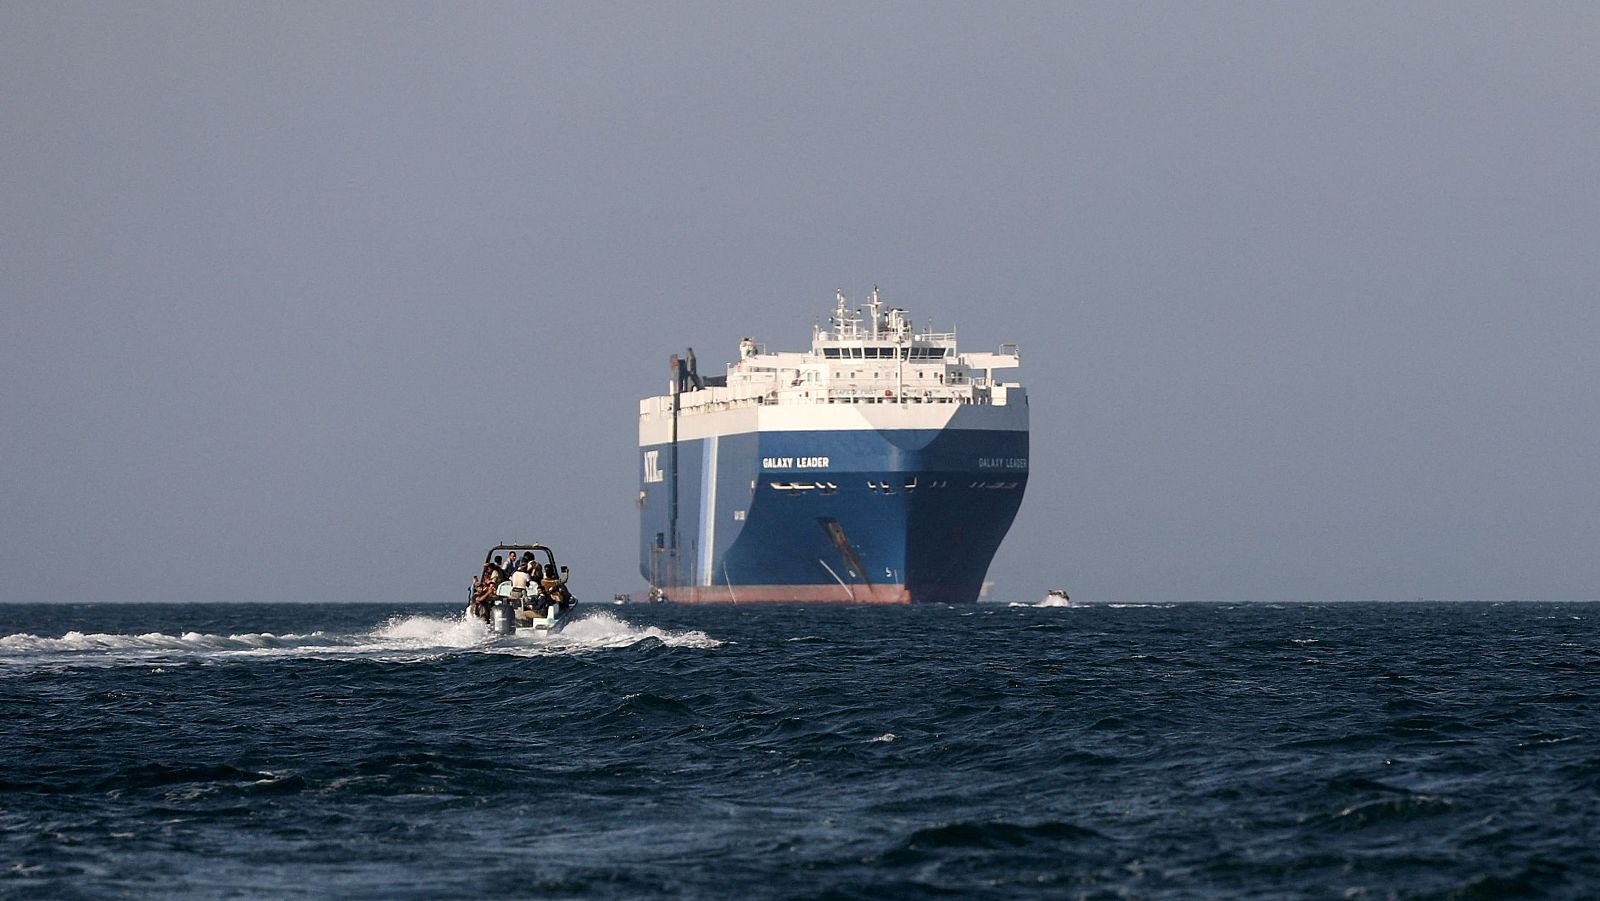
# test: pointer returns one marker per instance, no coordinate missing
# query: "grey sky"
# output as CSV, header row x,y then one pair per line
x,y
316,301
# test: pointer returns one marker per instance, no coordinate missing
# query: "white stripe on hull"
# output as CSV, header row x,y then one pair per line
x,y
655,430
708,510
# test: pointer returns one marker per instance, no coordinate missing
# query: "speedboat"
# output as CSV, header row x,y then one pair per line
x,y
531,603
1057,597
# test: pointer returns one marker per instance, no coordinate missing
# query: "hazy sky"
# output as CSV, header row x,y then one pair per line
x,y
318,300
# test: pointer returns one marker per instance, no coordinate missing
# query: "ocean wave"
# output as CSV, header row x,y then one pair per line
x,y
1387,811
399,638
77,642
1141,606
988,839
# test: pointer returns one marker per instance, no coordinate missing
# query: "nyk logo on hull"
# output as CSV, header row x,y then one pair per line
x,y
652,467
794,462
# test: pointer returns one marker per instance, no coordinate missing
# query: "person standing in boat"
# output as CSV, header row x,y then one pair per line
x,y
520,579
483,598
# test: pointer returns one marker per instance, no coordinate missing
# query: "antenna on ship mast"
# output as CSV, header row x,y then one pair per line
x,y
876,305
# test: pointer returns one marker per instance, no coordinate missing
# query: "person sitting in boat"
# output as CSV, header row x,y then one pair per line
x,y
554,586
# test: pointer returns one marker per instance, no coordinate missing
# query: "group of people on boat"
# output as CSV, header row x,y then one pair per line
x,y
541,585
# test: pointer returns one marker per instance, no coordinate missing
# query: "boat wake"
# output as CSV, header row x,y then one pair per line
x,y
1044,603
399,639
23,644
604,630
1051,600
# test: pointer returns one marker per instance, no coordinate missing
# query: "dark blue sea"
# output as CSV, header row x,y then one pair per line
x,y
1353,750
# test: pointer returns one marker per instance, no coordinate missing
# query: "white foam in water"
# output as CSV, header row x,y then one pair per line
x,y
157,641
1142,606
403,638
604,630
1048,604
433,631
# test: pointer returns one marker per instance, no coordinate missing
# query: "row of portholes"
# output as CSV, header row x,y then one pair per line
x,y
884,486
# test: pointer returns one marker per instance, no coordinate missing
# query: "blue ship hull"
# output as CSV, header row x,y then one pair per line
x,y
853,516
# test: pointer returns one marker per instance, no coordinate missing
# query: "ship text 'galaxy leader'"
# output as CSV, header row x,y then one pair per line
x,y
881,466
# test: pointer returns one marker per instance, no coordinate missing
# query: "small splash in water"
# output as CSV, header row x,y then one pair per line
x,y
1048,602
602,629
433,631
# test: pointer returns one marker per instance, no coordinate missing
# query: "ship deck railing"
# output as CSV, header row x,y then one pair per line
x,y
695,403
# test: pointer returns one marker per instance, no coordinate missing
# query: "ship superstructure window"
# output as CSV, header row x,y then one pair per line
x,y
883,353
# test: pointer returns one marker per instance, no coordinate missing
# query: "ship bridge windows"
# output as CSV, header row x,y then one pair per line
x,y
862,353
884,353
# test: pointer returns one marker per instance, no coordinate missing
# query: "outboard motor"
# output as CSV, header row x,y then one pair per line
x,y
503,617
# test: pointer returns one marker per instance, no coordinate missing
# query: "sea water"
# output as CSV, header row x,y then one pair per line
x,y
1351,750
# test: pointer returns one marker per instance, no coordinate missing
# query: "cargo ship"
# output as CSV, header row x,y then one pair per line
x,y
882,466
